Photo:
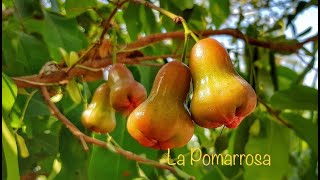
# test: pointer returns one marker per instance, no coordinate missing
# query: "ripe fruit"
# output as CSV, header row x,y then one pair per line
x,y
163,121
126,93
100,116
221,96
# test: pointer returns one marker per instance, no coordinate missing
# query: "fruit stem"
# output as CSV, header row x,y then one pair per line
x,y
112,141
189,32
26,105
186,40
174,17
222,130
88,68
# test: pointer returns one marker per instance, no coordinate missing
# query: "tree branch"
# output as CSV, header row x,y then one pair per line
x,y
61,77
106,23
87,139
276,46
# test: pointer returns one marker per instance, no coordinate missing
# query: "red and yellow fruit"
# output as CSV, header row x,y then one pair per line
x,y
126,93
163,121
221,96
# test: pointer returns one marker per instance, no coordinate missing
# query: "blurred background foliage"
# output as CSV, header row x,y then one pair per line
x,y
35,145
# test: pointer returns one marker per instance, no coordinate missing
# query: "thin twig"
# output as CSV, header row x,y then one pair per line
x,y
222,130
175,18
81,59
89,68
106,23
84,144
274,114
87,139
33,82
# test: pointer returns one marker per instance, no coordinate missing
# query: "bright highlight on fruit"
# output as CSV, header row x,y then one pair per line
x,y
221,96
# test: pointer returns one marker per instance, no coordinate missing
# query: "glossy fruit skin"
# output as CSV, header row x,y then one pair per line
x,y
100,116
163,121
221,96
126,93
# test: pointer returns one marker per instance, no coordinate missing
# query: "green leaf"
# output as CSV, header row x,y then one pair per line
x,y
135,72
220,10
285,77
195,170
9,93
59,31
27,8
73,59
304,129
196,19
10,152
237,143
148,20
133,24
99,168
23,149
182,5
297,97
74,160
147,76
24,54
76,7
32,52
166,22
19,109
34,25
121,167
74,91
41,135
286,72
205,141
36,107
64,54
215,174
221,143
273,142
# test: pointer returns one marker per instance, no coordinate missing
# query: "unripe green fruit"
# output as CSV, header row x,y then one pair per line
x,y
100,116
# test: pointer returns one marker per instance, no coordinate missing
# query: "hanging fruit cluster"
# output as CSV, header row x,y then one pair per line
x,y
162,120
